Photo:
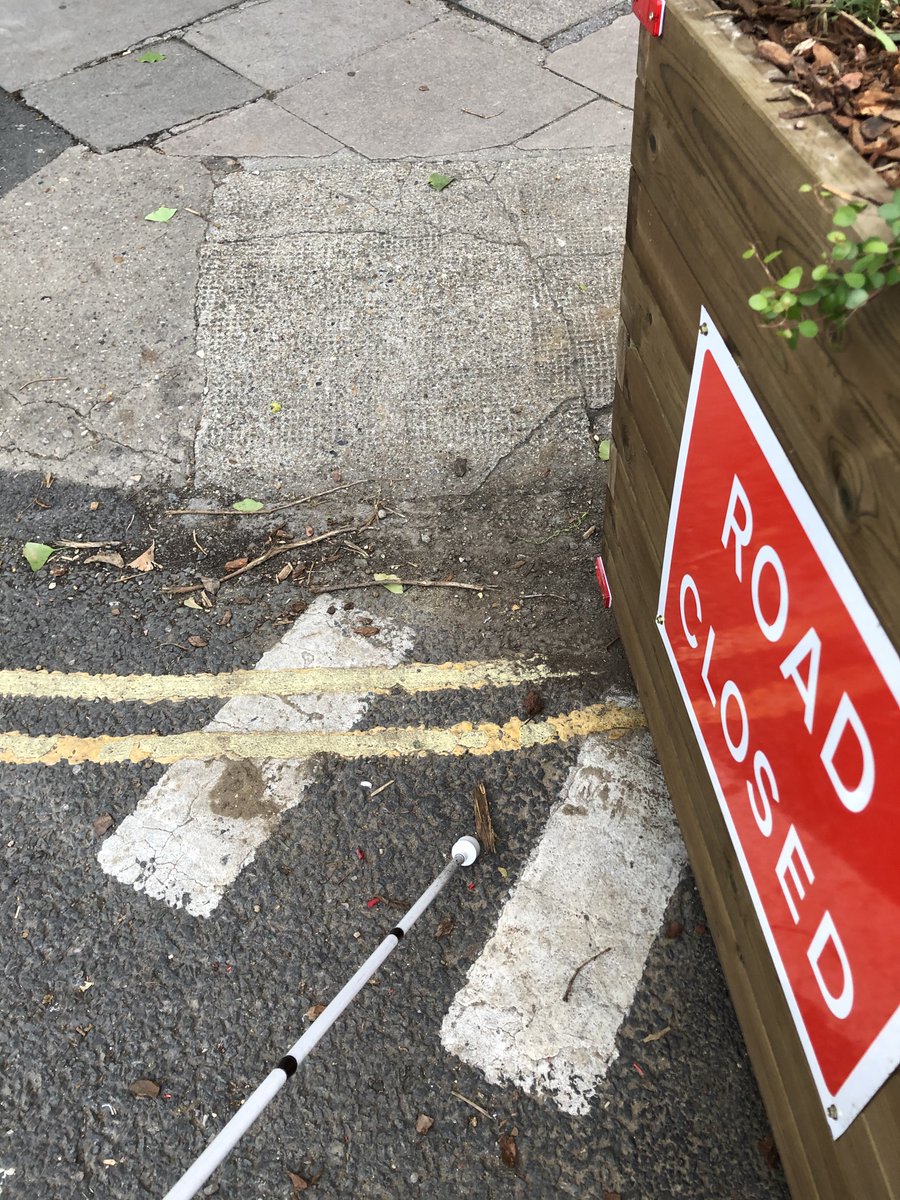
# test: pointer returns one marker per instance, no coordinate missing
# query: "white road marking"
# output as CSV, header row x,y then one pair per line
x,y
202,823
600,877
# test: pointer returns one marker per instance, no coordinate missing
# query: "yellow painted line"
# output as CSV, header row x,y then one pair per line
x,y
323,681
391,742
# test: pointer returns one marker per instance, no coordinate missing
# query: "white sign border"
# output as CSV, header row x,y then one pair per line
x,y
883,1056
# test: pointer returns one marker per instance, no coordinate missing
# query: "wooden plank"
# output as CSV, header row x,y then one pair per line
x,y
696,129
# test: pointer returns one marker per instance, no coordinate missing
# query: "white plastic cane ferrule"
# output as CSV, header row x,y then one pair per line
x,y
466,850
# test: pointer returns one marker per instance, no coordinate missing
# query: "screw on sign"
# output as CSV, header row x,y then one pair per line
x,y
792,688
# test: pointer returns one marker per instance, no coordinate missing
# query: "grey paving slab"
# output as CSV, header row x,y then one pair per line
x,y
98,376
401,329
124,100
258,130
605,61
40,39
280,42
594,126
28,141
451,87
539,19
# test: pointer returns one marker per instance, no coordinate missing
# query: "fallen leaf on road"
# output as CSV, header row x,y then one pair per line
x,y
367,630
298,1183
612,1196
438,181
603,450
190,602
391,582
533,703
247,505
423,1123
161,214
509,1151
111,559
285,573
444,928
145,561
83,987
144,1089
109,1162
225,618
654,1037
315,1011
674,929
36,554
235,563
196,640
151,56
102,824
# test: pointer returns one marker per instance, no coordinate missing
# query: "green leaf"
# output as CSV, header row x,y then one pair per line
x,y
246,506
758,302
808,299
751,253
504,872
771,257
807,329
391,582
161,214
835,236
889,211
856,298
151,56
439,182
805,187
842,252
884,38
844,216
603,450
877,279
892,277
855,279
275,407
792,279
36,554
875,246
819,272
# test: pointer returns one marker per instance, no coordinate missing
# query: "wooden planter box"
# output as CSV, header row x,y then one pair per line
x,y
713,170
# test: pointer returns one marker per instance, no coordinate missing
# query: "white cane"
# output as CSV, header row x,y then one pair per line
x,y
463,854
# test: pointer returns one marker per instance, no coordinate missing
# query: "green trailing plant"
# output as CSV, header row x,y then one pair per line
x,y
853,270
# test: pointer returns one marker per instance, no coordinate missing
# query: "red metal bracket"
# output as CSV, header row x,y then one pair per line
x,y
603,581
651,14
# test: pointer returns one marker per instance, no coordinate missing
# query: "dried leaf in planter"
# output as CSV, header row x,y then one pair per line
x,y
533,703
775,54
484,826
423,1123
509,1151
102,824
196,640
444,929
144,1089
298,1183
315,1011
145,561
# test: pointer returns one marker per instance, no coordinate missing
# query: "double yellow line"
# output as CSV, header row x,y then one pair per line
x,y
464,738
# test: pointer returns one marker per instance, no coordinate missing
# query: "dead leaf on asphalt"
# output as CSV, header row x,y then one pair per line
x,y
102,824
145,561
654,1037
314,1011
423,1123
674,929
111,559
612,1195
196,640
367,630
298,1183
533,703
236,563
509,1151
225,618
444,929
144,1089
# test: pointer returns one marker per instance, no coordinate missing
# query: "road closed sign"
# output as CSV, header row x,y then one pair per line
x,y
792,687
